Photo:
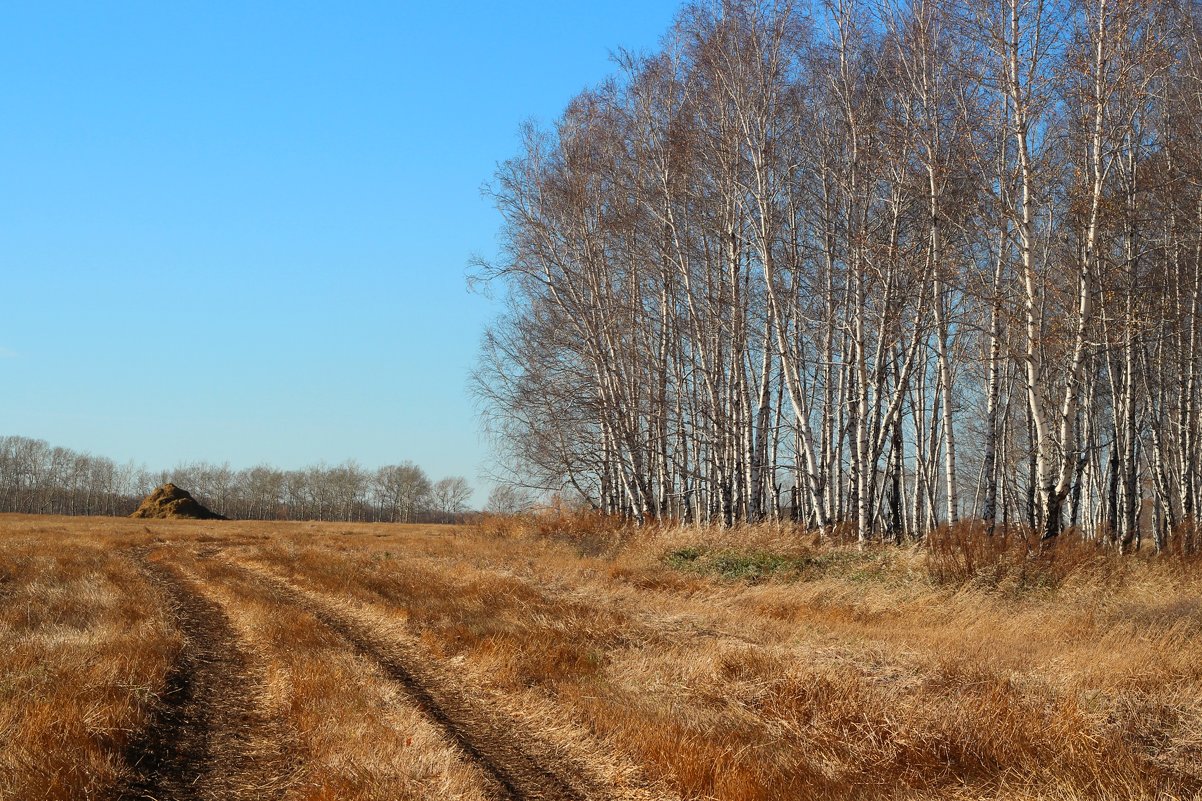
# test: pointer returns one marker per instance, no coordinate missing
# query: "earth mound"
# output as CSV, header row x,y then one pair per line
x,y
170,501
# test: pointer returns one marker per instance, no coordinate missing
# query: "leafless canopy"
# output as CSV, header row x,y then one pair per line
x,y
888,263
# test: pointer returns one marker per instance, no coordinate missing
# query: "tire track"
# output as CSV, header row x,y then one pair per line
x,y
201,742
514,773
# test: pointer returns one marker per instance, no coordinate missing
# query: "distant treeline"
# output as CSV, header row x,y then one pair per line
x,y
36,478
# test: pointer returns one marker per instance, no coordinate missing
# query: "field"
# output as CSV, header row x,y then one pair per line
x,y
201,660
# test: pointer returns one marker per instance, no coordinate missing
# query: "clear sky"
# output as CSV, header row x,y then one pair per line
x,y
238,231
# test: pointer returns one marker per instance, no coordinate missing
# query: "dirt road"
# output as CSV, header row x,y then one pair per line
x,y
196,747
212,738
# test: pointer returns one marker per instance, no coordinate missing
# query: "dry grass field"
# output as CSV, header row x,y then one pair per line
x,y
575,660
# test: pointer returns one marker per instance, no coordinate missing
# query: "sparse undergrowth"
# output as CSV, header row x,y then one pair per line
x,y
758,565
742,665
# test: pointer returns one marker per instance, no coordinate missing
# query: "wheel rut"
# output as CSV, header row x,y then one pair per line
x,y
484,737
203,742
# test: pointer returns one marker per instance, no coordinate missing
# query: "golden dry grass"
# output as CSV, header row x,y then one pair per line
x,y
84,647
739,665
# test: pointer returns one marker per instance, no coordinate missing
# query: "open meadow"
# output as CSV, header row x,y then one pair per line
x,y
578,660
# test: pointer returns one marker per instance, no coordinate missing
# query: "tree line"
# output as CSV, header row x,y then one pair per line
x,y
880,264
36,478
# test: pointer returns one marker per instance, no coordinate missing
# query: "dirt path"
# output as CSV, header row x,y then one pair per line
x,y
206,741
483,735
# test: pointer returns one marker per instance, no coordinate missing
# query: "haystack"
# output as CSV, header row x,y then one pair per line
x,y
170,501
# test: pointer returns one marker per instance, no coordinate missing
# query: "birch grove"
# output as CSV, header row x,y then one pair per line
x,y
880,265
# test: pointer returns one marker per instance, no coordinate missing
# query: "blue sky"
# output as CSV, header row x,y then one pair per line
x,y
239,231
